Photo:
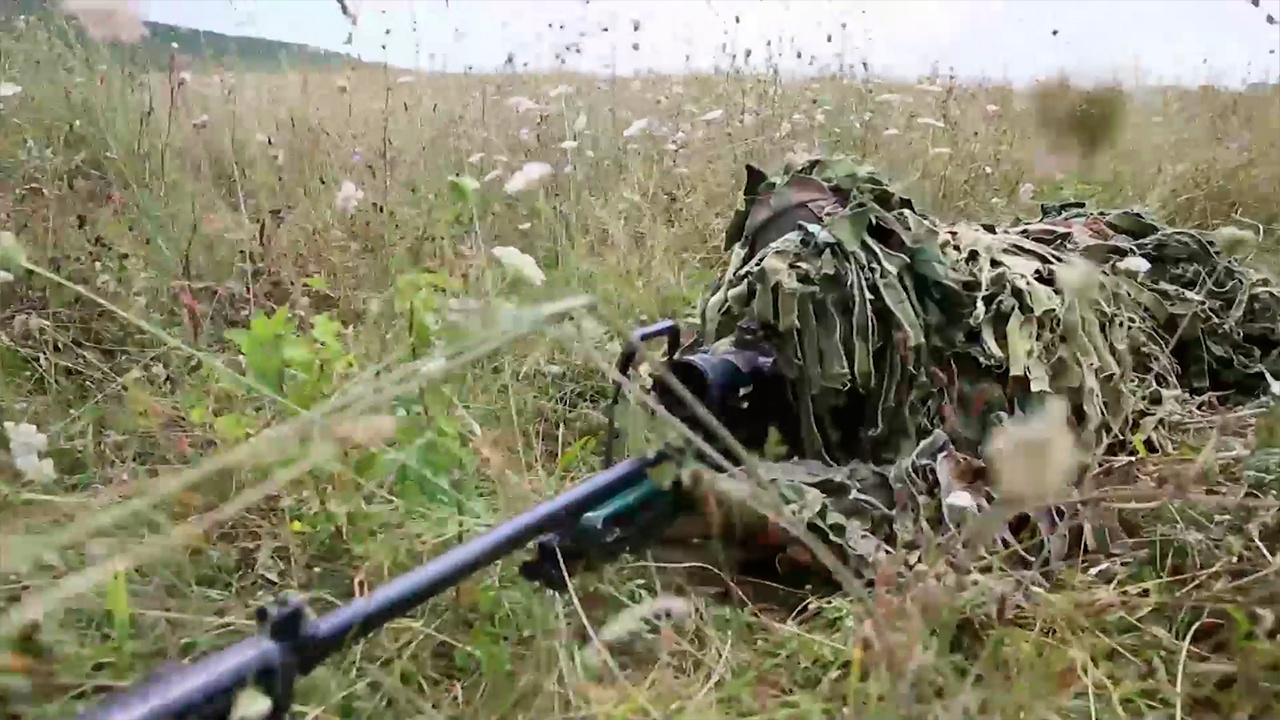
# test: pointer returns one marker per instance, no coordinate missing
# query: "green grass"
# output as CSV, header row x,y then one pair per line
x,y
214,352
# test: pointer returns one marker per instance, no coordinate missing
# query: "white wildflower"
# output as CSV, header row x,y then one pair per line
x,y
931,121
515,260
891,132
940,151
1134,264
930,88
581,123
107,22
1078,278
184,78
522,104
569,144
524,226
712,116
201,122
527,177
988,169
891,98
567,169
636,127
961,499
348,197
784,129
993,109
26,443
559,90
5,277
1026,191
492,174
1034,458
404,79
477,157
638,623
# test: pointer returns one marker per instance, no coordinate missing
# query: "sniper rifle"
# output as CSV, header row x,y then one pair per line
x,y
618,510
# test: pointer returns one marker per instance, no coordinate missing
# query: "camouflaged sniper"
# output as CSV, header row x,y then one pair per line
x,y
905,342
890,325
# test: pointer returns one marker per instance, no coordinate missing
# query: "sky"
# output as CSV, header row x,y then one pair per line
x,y
1156,41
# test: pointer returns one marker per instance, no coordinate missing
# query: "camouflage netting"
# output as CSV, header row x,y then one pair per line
x,y
891,326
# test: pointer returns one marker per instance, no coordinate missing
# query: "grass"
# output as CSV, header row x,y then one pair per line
x,y
181,236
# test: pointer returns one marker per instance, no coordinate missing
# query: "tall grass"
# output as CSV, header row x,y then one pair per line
x,y
247,389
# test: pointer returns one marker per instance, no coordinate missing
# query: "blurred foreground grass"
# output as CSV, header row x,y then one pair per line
x,y
190,230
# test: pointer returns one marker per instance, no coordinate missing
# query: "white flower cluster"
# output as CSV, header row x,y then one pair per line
x,y
26,443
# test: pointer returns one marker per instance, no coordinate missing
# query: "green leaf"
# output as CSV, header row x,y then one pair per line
x,y
316,283
232,426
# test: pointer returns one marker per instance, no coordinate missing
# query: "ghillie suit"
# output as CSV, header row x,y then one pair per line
x,y
904,341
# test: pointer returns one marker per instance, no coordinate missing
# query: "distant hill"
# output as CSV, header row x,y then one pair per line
x,y
202,46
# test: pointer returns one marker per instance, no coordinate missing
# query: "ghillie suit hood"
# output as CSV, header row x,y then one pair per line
x,y
905,340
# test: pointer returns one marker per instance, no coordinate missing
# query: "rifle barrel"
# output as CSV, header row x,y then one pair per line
x,y
205,689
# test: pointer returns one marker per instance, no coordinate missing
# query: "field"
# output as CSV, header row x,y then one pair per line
x,y
180,232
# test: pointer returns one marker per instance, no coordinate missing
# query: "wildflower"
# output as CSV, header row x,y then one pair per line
x,y
492,174
993,109
569,144
105,22
940,151
712,116
930,88
5,277
184,77
475,158
988,169
1026,191
522,104
8,89
1135,264
348,197
201,122
404,79
961,499
559,90
527,177
636,127
891,98
26,443
524,226
930,121
523,265
891,132
1034,457
581,123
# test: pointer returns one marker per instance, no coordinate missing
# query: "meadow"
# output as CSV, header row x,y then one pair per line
x,y
260,323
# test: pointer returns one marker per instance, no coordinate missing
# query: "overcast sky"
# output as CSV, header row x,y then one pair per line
x,y
1189,41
